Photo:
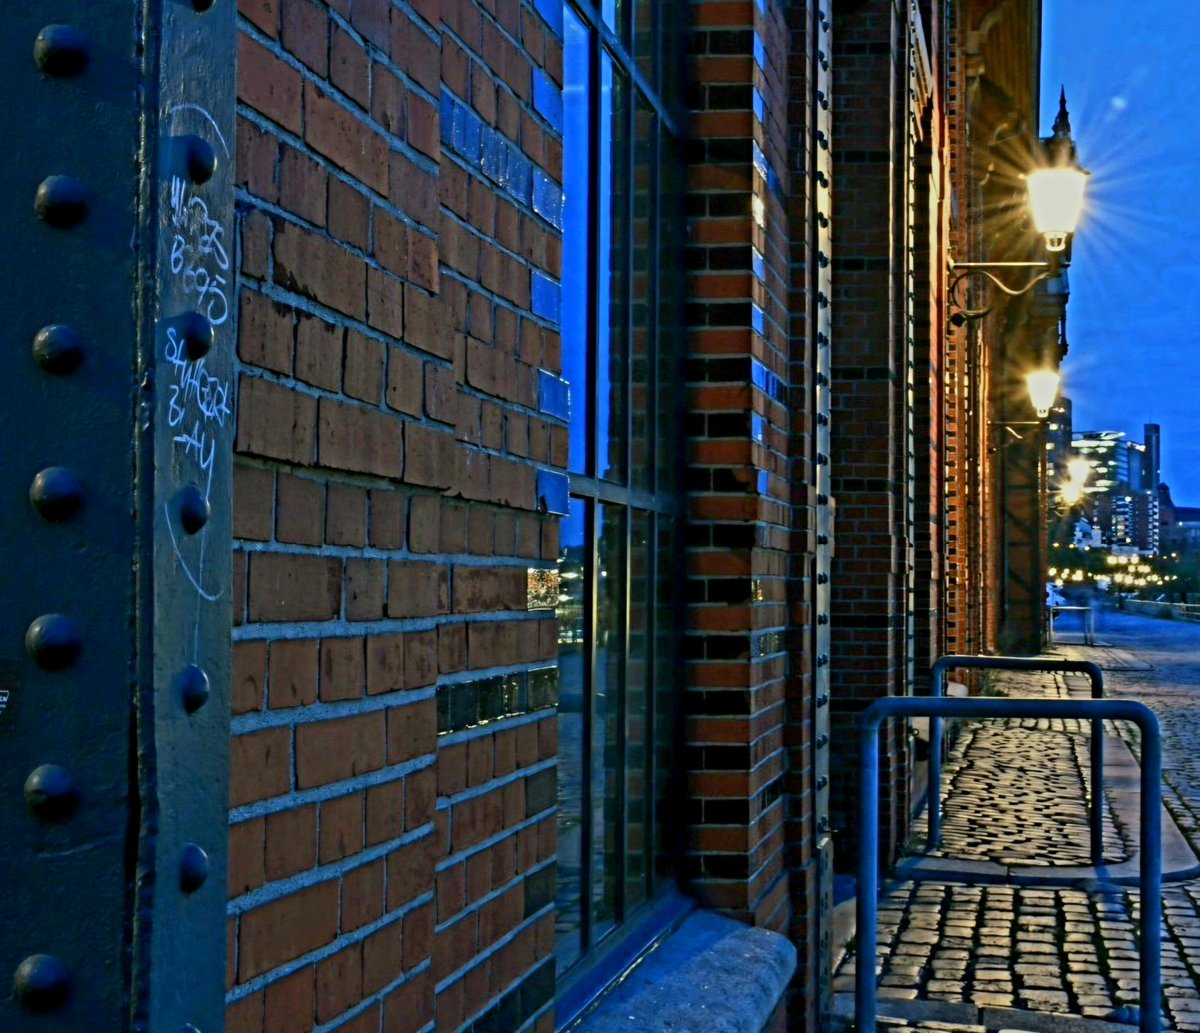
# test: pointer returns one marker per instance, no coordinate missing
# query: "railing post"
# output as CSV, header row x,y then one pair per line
x,y
1149,1018
866,899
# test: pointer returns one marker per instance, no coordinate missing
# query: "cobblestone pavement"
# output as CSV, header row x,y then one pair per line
x,y
1014,793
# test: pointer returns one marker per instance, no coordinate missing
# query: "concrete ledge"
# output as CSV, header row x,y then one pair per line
x,y
712,975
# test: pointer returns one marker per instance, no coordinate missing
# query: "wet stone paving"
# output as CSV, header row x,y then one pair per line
x,y
1015,793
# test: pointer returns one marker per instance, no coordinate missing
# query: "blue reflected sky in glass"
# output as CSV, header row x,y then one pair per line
x,y
1131,322
576,172
604,342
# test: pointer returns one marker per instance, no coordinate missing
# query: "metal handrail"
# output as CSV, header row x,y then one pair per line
x,y
1097,710
1017,663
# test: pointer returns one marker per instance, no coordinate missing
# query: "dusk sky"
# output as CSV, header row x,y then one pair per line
x,y
1133,322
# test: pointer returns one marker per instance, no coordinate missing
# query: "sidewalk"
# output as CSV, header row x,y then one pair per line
x,y
1007,926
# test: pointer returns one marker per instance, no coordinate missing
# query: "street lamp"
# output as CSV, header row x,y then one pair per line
x,y
1043,390
1055,202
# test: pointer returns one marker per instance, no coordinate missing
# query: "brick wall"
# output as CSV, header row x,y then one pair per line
x,y
393,762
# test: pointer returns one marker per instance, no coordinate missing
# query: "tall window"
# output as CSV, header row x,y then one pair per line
x,y
618,627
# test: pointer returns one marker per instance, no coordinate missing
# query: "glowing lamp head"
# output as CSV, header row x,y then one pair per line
x,y
1056,192
1043,389
1078,469
1071,492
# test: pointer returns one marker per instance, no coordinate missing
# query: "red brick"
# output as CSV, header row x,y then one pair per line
x,y
289,1003
348,67
260,765
256,154
342,673
387,519
329,751
389,101
382,957
365,592
451,769
293,673
306,34
263,14
300,511
291,841
253,502
430,457
391,242
362,895
346,515
411,731
364,368
370,17
287,928
385,664
420,799
409,1007
385,811
340,823
267,84
294,588
423,126
404,381
349,214
423,261
414,190
357,439
247,855
409,871
452,647
256,243
249,676
417,589
274,421
339,982
320,269
420,658
344,139
418,935
245,1015
319,353
385,302
303,185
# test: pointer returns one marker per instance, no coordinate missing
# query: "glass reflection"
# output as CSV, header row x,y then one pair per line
x,y
642,293
606,717
576,166
573,565
612,340
638,667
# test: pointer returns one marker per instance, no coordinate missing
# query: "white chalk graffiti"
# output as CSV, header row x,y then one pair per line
x,y
195,402
198,252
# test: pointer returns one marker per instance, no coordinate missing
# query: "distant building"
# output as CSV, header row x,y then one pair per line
x,y
1179,525
1123,486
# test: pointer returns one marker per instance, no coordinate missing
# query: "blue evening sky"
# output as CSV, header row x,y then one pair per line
x,y
1133,322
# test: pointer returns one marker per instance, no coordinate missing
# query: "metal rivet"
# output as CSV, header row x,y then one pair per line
x,y
58,349
41,982
197,334
200,158
194,509
61,50
60,201
53,641
202,5
51,792
191,685
193,868
56,493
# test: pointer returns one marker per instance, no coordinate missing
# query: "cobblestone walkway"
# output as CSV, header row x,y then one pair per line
x,y
1015,793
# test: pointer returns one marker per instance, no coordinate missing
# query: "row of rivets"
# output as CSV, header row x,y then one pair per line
x,y
42,982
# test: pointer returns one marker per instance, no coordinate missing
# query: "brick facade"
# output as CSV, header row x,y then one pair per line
x,y
401,463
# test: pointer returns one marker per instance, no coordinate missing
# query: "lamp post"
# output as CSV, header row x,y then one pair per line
x,y
1055,192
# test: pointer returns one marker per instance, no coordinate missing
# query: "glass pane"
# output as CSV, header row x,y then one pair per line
x,y
573,556
606,718
646,38
616,17
642,293
575,274
637,672
666,667
612,338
